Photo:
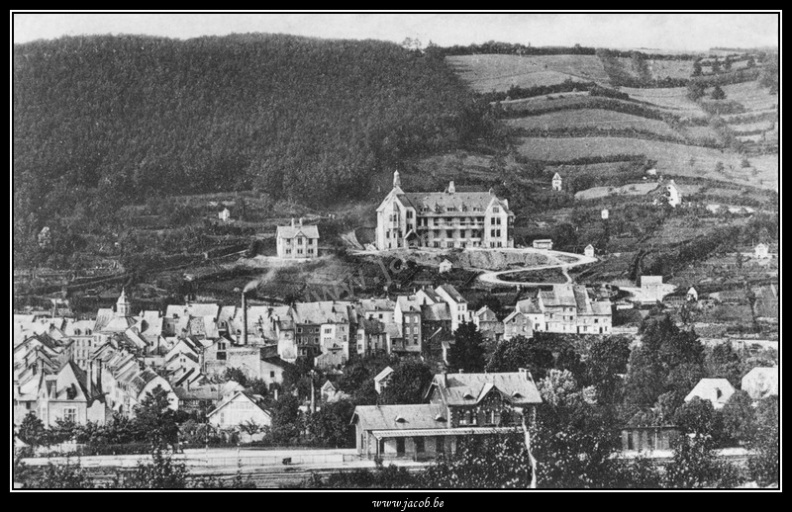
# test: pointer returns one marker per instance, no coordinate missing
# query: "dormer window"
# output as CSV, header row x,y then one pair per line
x,y
469,396
440,417
400,419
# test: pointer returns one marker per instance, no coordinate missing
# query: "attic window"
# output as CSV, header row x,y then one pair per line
x,y
400,419
516,395
468,396
440,417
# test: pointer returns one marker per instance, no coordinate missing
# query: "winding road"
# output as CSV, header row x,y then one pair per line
x,y
579,259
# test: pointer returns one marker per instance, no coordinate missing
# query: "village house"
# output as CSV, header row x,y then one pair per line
x,y
224,215
717,391
330,393
761,382
459,405
445,266
488,323
324,327
124,379
205,397
297,242
692,295
761,251
69,396
557,182
378,309
517,324
443,219
588,252
407,320
240,409
531,308
371,337
272,370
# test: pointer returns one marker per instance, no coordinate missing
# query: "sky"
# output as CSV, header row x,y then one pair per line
x,y
628,30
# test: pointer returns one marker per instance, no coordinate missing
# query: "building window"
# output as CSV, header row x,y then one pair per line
x,y
70,414
419,445
272,375
495,209
288,251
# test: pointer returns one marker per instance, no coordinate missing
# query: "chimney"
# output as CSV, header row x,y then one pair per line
x,y
451,188
491,191
88,379
301,219
445,378
275,390
244,319
461,371
292,222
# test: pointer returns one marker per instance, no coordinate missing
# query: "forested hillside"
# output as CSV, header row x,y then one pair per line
x,y
103,120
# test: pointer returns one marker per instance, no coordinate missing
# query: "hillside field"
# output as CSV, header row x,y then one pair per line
x,y
591,118
486,73
672,158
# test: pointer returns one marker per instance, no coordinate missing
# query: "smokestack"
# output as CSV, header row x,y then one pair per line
x,y
243,341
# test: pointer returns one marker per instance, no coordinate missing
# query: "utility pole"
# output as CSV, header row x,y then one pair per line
x,y
313,394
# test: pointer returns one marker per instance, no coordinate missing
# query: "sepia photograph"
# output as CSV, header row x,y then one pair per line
x,y
400,255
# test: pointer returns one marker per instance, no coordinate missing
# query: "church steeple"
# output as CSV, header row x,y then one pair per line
x,y
123,307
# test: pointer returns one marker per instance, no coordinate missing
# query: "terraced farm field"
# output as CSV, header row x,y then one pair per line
x,y
486,73
593,118
751,96
671,157
672,98
700,133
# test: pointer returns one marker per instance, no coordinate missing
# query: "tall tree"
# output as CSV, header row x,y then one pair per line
x,y
407,383
467,352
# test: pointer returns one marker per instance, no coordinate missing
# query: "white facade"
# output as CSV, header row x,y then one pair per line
x,y
443,219
557,182
588,251
297,241
761,252
238,410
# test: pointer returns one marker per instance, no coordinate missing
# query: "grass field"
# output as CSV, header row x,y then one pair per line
x,y
700,133
593,118
749,127
671,158
672,98
751,96
673,68
486,73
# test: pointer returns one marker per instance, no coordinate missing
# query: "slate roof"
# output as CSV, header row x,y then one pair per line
x,y
515,386
560,296
716,391
529,306
462,202
239,394
436,312
406,303
325,312
453,293
311,231
400,417
486,314
103,317
377,305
